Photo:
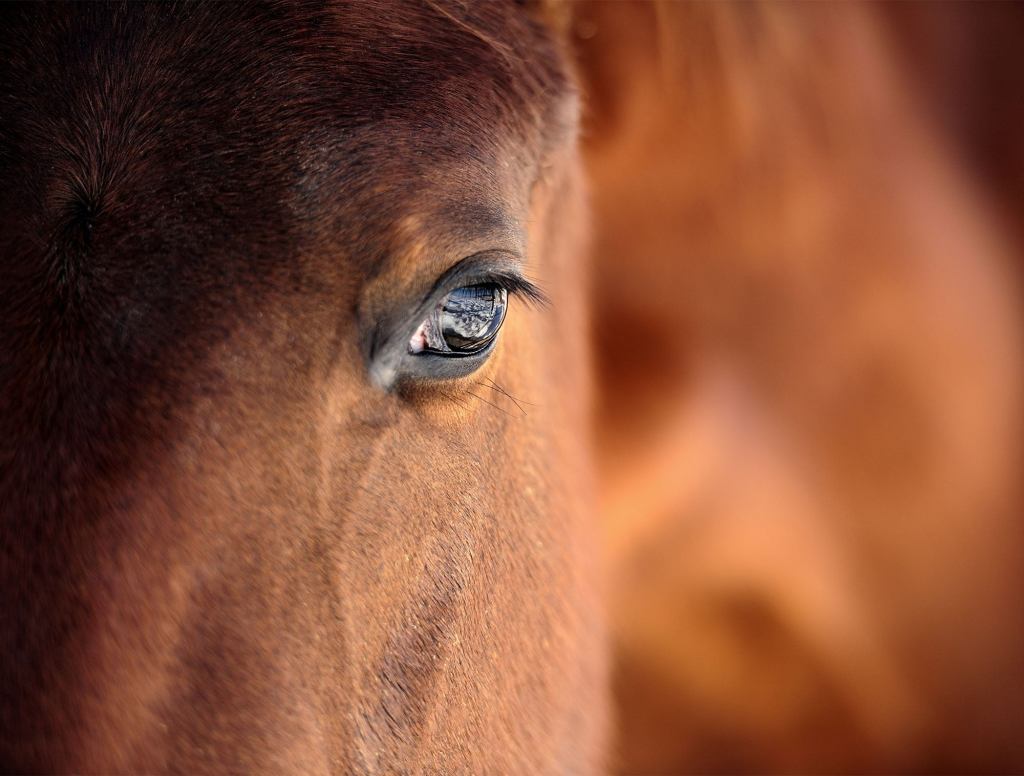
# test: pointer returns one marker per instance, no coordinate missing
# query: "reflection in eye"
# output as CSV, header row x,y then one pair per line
x,y
465,322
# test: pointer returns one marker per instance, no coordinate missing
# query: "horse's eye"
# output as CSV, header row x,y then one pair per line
x,y
465,322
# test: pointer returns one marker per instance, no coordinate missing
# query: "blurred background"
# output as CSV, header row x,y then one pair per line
x,y
808,225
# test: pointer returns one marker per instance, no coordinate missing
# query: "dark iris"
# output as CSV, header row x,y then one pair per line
x,y
470,316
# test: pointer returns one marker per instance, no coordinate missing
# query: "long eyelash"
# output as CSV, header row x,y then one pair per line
x,y
516,284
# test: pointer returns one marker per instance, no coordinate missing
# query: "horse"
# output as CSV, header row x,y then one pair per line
x,y
294,392
806,252
305,462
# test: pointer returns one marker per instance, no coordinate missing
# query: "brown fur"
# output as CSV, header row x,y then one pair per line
x,y
223,549
808,329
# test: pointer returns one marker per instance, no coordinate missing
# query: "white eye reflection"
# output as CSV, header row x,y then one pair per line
x,y
465,322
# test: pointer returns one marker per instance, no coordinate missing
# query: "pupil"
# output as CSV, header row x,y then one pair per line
x,y
472,315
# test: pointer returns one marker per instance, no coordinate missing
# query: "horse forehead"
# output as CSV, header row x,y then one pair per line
x,y
281,99
254,121
402,67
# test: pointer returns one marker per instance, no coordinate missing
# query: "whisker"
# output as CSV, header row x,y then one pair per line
x,y
481,398
461,402
495,387
500,388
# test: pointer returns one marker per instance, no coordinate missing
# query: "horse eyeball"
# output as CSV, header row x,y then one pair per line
x,y
471,316
465,321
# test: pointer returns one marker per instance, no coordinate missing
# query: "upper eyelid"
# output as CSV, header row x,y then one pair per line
x,y
489,267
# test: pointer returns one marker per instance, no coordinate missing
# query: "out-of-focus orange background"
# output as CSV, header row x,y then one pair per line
x,y
808,224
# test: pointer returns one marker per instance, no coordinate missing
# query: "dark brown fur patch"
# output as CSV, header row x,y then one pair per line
x,y
180,179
